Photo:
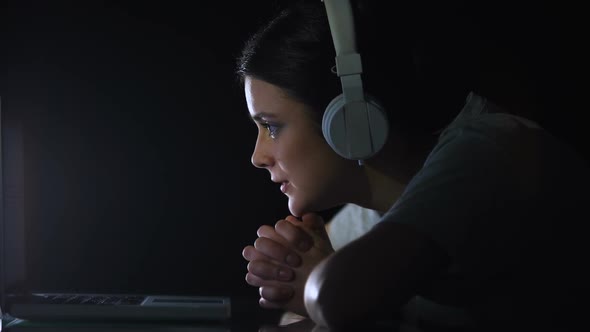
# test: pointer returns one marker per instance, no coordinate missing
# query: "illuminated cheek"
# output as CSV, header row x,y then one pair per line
x,y
288,157
301,159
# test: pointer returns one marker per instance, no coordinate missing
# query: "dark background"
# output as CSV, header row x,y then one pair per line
x,y
137,143
137,140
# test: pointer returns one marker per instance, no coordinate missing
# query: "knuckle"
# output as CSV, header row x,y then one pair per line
x,y
248,253
280,223
251,280
261,269
264,230
260,242
288,231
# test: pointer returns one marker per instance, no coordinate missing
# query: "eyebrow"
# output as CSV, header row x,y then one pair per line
x,y
261,117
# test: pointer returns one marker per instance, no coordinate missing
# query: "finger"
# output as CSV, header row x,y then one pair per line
x,y
276,294
256,281
251,254
270,271
294,235
316,223
277,251
269,232
314,226
311,221
269,304
287,255
293,220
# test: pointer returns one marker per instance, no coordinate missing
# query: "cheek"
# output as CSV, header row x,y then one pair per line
x,y
298,150
290,158
308,160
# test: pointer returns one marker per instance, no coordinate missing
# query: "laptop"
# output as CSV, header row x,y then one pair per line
x,y
26,295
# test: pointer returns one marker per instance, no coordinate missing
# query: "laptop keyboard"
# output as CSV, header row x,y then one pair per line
x,y
95,299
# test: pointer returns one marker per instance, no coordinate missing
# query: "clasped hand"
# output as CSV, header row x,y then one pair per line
x,y
282,258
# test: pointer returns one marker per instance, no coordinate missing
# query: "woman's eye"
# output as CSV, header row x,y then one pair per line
x,y
273,130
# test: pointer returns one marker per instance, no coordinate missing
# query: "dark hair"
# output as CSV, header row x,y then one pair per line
x,y
295,52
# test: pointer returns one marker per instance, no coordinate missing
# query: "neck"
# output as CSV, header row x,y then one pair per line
x,y
389,174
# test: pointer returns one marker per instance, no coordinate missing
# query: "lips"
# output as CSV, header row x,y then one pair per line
x,y
284,187
284,184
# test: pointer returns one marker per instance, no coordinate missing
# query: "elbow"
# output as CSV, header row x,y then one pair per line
x,y
325,299
317,297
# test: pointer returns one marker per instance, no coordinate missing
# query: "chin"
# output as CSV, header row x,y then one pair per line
x,y
298,208
295,211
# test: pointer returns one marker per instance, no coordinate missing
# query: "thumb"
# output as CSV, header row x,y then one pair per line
x,y
315,223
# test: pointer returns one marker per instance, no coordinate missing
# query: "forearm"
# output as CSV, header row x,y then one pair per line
x,y
382,268
346,287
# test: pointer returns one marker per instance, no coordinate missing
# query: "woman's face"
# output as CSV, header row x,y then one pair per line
x,y
291,147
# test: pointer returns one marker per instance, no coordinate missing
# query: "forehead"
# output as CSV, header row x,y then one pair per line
x,y
270,100
261,96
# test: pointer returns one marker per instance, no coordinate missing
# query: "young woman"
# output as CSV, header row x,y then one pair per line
x,y
482,209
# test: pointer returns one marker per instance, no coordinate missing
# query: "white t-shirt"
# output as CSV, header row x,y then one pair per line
x,y
349,223
506,201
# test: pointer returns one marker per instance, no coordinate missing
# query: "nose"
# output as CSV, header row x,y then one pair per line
x,y
262,155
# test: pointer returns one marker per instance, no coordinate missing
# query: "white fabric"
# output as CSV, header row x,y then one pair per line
x,y
349,223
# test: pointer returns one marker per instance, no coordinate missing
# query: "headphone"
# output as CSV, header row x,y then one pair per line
x,y
354,125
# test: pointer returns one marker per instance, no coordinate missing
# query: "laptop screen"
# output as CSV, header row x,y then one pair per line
x,y
95,202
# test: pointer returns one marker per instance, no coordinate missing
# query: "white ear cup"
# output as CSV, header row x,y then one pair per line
x,y
357,130
354,125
